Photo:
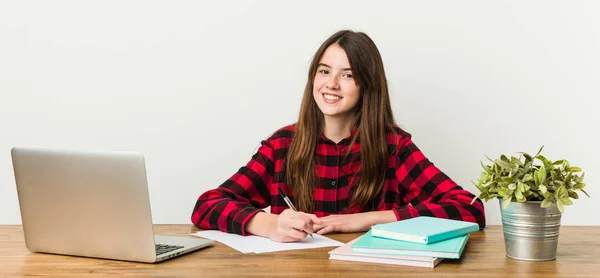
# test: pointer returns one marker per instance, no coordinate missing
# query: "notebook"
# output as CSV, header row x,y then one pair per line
x,y
344,253
424,229
451,248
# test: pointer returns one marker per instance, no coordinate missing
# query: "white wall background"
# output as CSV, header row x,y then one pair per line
x,y
195,85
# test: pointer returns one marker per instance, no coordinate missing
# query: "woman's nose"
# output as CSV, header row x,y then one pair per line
x,y
333,83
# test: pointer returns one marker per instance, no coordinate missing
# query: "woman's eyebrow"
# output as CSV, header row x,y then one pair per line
x,y
328,66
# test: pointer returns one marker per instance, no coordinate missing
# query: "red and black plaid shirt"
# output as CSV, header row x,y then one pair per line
x,y
413,185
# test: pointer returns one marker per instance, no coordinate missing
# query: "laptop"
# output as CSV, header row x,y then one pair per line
x,y
91,204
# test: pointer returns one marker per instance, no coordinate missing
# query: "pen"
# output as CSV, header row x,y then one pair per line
x,y
288,202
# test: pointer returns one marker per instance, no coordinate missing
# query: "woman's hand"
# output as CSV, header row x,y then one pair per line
x,y
292,226
353,223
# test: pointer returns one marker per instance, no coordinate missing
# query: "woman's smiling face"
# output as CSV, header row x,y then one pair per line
x,y
334,88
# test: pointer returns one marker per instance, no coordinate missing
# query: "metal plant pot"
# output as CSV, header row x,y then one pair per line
x,y
530,231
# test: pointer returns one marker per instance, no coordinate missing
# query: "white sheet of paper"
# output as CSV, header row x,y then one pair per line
x,y
256,244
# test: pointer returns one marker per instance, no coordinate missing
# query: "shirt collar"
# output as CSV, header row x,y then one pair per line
x,y
345,141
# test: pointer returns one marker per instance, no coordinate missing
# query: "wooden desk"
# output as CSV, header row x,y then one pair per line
x,y
578,256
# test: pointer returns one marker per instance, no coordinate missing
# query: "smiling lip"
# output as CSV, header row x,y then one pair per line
x,y
332,98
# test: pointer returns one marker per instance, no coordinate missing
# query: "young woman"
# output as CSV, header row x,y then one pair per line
x,y
345,163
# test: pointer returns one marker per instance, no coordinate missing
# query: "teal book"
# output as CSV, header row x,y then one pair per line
x,y
449,249
424,229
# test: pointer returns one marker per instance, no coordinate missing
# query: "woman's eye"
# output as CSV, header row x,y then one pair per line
x,y
324,71
348,75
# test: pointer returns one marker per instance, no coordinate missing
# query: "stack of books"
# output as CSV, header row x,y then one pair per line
x,y
422,241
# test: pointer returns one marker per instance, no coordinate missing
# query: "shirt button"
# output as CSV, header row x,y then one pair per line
x,y
332,182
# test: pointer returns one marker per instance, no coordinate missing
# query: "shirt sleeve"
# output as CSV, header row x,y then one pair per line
x,y
427,191
229,207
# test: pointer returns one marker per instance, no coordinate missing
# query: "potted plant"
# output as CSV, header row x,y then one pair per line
x,y
532,197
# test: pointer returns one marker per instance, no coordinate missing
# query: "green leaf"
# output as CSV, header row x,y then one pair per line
x,y
540,151
527,166
485,178
519,196
560,205
516,161
537,177
543,189
579,185
506,203
564,165
574,169
507,179
527,177
566,201
484,196
512,186
495,177
568,177
540,175
558,162
553,175
561,193
585,193
502,194
503,164
547,194
544,160
528,158
480,183
557,183
546,203
486,168
520,186
526,187
573,195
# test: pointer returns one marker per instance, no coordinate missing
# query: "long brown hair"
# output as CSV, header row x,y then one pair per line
x,y
372,118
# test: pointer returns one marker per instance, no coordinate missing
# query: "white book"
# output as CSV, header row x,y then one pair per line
x,y
345,253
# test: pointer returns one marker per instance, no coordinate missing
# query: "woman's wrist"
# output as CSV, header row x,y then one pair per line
x,y
261,224
381,217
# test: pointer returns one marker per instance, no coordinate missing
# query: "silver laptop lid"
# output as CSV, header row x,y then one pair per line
x,y
85,203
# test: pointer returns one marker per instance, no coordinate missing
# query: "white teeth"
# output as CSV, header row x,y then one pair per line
x,y
331,97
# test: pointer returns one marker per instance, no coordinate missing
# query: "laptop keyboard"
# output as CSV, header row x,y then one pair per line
x,y
163,248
